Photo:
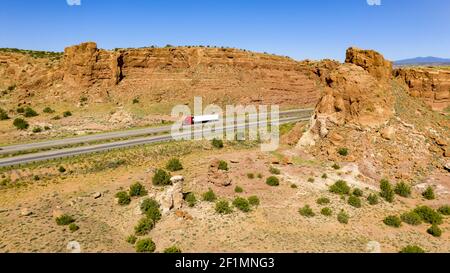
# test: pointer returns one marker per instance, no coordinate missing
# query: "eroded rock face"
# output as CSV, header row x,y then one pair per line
x,y
218,177
371,61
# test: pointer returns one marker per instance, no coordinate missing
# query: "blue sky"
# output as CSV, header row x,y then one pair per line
x,y
301,29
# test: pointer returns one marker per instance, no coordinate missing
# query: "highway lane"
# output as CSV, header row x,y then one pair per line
x,y
110,136
62,153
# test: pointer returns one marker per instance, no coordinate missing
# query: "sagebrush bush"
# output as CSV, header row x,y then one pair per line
x,y
241,204
48,110
64,220
435,231
217,143
209,196
190,199
429,215
411,218
392,221
174,165
37,130
429,193
20,110
123,198
340,187
373,199
251,176
294,186
358,192
150,207
3,114
73,227
336,166
444,210
306,211
273,181
145,246
343,217
29,113
137,189
144,226
61,169
412,249
131,239
67,114
223,207
326,211
172,249
238,189
386,191
343,151
323,201
21,124
223,165
274,170
403,189
253,200
161,178
311,180
324,176
354,201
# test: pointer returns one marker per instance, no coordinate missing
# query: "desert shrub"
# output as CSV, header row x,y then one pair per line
x,y
323,201
150,207
223,165
131,239
392,221
251,176
403,189
444,210
137,189
36,177
145,246
20,110
144,226
172,249
174,165
260,176
343,151
123,198
324,176
223,207
46,128
73,227
429,193
435,231
217,143
242,204
48,110
238,189
37,130
67,114
411,218
294,186
343,217
209,196
429,215
253,200
190,199
135,101
358,192
311,180
161,178
64,220
56,118
340,187
274,170
306,211
3,114
412,249
61,169
372,199
354,201
21,124
273,181
29,113
326,211
386,191
336,166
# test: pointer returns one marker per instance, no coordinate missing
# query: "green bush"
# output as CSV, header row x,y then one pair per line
x,y
274,170
61,169
123,198
273,181
373,199
64,220
73,227
67,114
37,130
343,151
403,189
209,196
343,217
358,193
306,211
172,249
174,165
48,110
217,143
137,189
144,226
223,207
20,110
324,176
429,194
386,191
354,201
323,201
145,246
150,207
294,186
251,176
260,176
3,114
392,221
311,180
326,211
29,113
21,124
223,165
340,187
238,189
161,178
444,210
336,166
429,215
412,249
56,118
135,101
254,200
131,239
435,231
242,204
411,218
190,199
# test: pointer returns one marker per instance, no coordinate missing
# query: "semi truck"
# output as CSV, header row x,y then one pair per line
x,y
192,120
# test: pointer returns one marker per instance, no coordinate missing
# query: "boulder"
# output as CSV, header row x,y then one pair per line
x,y
25,212
388,133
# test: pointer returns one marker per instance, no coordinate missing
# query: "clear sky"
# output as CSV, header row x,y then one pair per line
x,y
301,29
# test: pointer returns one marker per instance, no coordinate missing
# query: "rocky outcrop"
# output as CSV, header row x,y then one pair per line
x,y
218,177
430,84
371,61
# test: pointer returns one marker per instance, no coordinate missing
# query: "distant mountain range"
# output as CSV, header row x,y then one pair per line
x,y
423,61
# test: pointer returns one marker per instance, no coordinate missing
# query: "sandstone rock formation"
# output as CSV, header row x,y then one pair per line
x,y
372,61
218,177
